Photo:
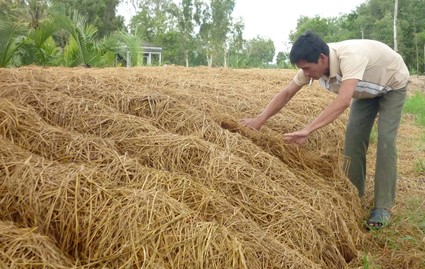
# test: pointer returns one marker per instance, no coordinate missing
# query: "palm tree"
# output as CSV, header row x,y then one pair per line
x,y
39,47
131,48
82,48
11,39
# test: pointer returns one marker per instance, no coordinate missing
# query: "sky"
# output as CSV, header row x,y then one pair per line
x,y
275,19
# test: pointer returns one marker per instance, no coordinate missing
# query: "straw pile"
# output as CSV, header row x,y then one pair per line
x,y
150,168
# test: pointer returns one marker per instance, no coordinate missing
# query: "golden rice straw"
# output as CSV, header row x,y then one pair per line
x,y
25,248
168,149
102,225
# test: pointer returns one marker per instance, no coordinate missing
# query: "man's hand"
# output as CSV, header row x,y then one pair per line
x,y
298,137
253,123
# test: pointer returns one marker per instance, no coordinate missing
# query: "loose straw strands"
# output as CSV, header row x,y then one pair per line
x,y
104,225
165,144
196,158
25,128
25,248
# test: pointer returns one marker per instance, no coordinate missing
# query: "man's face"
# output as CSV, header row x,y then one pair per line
x,y
315,70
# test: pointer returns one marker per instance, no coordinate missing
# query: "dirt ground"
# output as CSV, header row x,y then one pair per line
x,y
417,82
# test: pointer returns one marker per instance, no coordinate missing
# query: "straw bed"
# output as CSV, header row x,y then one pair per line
x,y
24,248
149,167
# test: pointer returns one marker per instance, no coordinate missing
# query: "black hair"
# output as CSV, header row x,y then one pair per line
x,y
308,47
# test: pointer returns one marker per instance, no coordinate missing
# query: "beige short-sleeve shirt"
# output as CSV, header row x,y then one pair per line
x,y
378,68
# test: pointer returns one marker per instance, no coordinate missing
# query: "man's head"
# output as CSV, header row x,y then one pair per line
x,y
311,54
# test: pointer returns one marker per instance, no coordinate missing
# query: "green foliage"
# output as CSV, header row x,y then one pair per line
x,y
420,167
99,13
221,11
415,104
321,26
374,20
282,60
11,37
131,43
175,52
191,32
155,18
411,219
260,51
28,13
236,44
82,49
39,47
111,47
369,262
373,139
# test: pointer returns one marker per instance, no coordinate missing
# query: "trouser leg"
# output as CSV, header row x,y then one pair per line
x,y
362,116
390,111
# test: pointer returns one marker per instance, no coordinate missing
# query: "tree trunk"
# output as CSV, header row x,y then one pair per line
x,y
186,56
395,24
209,58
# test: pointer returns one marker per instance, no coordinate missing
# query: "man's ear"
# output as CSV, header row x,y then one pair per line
x,y
324,59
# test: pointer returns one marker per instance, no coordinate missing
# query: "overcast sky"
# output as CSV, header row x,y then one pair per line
x,y
275,19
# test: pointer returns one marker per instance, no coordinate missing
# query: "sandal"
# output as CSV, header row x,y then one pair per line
x,y
379,218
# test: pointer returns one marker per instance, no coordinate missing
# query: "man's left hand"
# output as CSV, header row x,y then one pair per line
x,y
298,137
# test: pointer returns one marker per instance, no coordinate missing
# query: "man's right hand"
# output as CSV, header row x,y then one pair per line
x,y
252,123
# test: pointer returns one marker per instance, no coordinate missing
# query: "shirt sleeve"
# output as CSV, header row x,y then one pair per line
x,y
300,79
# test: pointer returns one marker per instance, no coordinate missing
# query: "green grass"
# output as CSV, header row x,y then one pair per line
x,y
373,139
415,105
404,235
412,216
420,166
369,262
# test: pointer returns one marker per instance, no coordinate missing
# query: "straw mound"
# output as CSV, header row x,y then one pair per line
x,y
24,248
149,167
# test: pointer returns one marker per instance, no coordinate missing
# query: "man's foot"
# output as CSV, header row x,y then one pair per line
x,y
379,218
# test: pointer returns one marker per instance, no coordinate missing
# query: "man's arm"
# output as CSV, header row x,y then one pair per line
x,y
274,106
331,113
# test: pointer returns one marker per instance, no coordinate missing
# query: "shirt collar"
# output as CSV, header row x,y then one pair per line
x,y
333,63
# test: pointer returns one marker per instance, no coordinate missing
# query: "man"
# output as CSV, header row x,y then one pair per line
x,y
372,78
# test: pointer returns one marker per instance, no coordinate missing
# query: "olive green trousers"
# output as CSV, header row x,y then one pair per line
x,y
363,113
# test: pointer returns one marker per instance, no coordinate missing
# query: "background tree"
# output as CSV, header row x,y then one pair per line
x,y
39,47
260,51
11,37
35,10
191,32
82,49
153,19
221,15
156,22
236,44
411,36
131,43
205,32
282,60
186,15
29,12
99,13
395,25
325,27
